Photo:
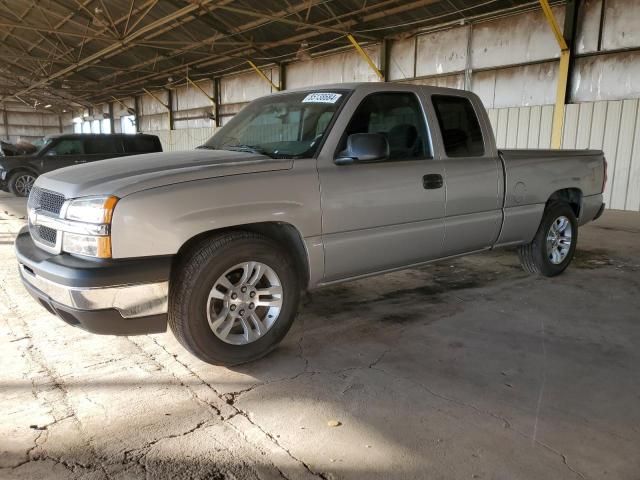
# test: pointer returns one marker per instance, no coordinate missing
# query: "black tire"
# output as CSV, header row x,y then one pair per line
x,y
534,257
16,185
193,279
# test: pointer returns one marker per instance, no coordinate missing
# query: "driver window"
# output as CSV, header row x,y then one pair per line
x,y
67,147
399,117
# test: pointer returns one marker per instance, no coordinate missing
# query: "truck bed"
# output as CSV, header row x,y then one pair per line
x,y
533,176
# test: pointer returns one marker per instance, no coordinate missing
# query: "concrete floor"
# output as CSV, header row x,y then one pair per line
x,y
466,369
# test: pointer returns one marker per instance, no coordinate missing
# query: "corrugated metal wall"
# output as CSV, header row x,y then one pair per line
x,y
611,126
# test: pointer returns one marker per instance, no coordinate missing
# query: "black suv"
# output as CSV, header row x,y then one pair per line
x,y
17,173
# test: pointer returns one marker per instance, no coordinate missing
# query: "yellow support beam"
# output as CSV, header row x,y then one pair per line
x,y
364,55
551,19
563,75
123,105
157,99
264,77
211,99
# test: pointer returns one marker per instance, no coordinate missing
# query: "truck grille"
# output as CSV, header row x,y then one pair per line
x,y
51,203
45,200
45,234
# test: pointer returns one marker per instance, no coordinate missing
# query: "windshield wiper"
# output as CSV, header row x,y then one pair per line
x,y
247,148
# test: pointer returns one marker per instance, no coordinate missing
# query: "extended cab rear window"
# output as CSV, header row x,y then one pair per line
x,y
459,125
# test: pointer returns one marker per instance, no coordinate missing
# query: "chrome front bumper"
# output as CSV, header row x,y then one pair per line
x,y
111,297
131,301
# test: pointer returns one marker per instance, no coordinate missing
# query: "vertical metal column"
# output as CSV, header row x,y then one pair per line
x,y
216,101
5,120
136,106
170,109
563,75
468,72
282,75
112,121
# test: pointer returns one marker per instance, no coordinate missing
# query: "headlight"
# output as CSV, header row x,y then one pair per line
x,y
92,209
91,219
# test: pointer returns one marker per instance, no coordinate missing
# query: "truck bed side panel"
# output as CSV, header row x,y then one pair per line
x,y
532,176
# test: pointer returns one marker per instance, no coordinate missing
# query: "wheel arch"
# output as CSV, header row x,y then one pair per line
x,y
572,196
20,169
283,233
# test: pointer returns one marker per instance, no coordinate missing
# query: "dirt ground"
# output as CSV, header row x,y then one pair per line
x,y
464,369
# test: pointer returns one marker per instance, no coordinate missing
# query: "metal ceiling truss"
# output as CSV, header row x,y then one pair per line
x,y
92,51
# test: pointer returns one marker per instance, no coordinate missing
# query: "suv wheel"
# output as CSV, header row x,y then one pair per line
x,y
20,183
233,298
554,245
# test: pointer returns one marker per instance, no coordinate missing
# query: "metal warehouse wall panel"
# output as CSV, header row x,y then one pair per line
x,y
606,77
247,86
402,56
343,67
442,52
514,40
588,26
621,20
448,81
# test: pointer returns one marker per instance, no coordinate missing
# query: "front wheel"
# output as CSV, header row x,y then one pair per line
x,y
20,183
233,298
554,245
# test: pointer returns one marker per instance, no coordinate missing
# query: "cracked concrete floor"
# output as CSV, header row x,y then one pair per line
x,y
466,369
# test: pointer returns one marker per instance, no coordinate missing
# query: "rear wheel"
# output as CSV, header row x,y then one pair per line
x,y
554,245
233,298
20,183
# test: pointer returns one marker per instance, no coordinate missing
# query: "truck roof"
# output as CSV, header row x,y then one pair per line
x,y
92,135
379,86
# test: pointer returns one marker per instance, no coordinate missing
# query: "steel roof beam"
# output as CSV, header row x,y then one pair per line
x,y
117,45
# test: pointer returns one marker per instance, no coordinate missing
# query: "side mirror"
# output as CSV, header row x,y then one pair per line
x,y
364,148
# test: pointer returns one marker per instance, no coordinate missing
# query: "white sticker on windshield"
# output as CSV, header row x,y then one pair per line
x,y
322,97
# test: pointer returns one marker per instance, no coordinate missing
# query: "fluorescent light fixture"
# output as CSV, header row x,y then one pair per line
x,y
48,105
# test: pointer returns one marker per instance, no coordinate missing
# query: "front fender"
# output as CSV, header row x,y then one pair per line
x,y
160,220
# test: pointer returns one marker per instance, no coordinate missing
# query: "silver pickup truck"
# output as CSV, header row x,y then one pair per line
x,y
300,189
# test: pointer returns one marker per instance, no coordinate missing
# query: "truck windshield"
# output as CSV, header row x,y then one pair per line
x,y
289,125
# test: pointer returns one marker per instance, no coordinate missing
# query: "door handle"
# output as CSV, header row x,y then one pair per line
x,y
432,181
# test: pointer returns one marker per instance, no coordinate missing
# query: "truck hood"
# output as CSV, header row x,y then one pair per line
x,y
125,175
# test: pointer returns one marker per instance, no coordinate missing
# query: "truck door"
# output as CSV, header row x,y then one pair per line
x,y
473,177
388,214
